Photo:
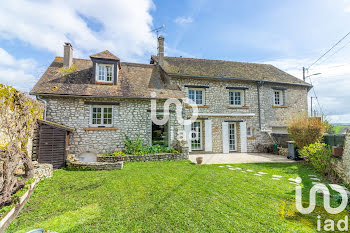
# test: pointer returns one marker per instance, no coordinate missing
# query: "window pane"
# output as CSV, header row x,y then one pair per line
x,y
96,115
277,97
231,98
191,95
109,73
101,73
199,99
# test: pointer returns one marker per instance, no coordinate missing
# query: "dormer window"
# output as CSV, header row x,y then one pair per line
x,y
104,73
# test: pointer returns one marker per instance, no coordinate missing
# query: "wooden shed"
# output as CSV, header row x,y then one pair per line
x,y
52,146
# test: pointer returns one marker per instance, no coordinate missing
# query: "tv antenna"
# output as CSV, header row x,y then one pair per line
x,y
157,30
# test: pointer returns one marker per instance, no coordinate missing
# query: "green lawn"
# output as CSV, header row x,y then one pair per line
x,y
339,128
169,197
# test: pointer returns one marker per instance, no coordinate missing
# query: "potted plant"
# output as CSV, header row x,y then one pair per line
x,y
199,160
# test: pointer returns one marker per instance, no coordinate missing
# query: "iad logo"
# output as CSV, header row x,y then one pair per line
x,y
194,134
342,225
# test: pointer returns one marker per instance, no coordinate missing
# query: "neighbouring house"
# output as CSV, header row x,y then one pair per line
x,y
104,99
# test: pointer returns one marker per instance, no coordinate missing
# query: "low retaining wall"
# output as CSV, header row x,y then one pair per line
x,y
74,164
142,158
342,165
42,171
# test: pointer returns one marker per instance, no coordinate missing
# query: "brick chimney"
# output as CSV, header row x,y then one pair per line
x,y
68,55
161,50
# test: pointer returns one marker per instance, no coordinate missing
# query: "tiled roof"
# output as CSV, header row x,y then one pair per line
x,y
134,81
105,55
226,69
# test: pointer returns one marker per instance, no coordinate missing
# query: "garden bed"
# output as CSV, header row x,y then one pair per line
x,y
75,164
143,158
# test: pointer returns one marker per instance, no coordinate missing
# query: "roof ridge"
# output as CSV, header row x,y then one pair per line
x,y
220,60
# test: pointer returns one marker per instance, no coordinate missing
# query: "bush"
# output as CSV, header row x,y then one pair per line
x,y
305,130
319,156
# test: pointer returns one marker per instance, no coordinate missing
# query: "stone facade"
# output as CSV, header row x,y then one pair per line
x,y
342,165
42,171
143,158
217,101
132,117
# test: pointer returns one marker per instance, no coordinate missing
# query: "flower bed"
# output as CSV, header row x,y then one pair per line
x,y
142,158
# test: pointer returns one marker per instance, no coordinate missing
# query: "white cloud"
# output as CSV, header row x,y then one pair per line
x,y
182,20
125,26
19,73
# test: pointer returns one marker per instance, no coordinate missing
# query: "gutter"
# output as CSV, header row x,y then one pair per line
x,y
45,105
258,86
91,96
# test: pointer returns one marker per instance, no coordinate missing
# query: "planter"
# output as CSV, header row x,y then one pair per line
x,y
337,151
199,160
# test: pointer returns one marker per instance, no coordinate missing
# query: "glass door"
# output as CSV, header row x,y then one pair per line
x,y
196,132
232,136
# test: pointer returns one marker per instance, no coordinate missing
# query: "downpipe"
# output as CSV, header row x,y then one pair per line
x,y
45,105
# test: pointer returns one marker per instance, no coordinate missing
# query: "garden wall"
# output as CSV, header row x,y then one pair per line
x,y
74,164
342,165
143,158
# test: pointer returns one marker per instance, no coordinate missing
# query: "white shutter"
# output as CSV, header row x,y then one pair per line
x,y
208,137
225,138
187,126
243,129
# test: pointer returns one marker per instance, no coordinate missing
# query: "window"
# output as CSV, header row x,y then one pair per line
x,y
196,95
101,115
236,98
278,98
249,132
104,73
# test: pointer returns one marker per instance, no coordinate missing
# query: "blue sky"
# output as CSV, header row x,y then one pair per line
x,y
288,34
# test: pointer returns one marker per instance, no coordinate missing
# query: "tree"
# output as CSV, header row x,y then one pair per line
x,y
18,119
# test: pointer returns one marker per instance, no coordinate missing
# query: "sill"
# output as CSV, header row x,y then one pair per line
x,y
104,83
198,106
99,128
237,107
251,138
279,106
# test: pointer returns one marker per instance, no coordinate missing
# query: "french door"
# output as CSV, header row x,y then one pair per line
x,y
196,132
232,136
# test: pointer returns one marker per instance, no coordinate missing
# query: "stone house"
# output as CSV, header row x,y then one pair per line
x,y
105,99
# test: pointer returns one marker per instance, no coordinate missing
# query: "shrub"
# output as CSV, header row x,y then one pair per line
x,y
319,156
133,146
119,153
305,130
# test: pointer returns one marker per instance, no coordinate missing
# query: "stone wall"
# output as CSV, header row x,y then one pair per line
x,y
342,165
73,164
42,171
217,101
143,158
131,118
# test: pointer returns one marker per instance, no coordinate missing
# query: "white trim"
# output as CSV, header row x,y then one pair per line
x,y
208,135
225,114
242,98
197,89
280,97
243,130
105,75
200,133
236,146
225,138
187,128
102,112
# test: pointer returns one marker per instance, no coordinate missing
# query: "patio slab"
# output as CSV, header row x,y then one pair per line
x,y
235,158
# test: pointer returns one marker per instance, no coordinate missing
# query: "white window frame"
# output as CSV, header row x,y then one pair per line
x,y
97,76
280,97
235,136
102,115
242,98
195,98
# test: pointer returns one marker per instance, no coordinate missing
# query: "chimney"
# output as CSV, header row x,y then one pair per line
x,y
68,55
160,50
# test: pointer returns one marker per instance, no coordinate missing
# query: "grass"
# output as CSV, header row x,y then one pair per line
x,y
173,196
339,128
